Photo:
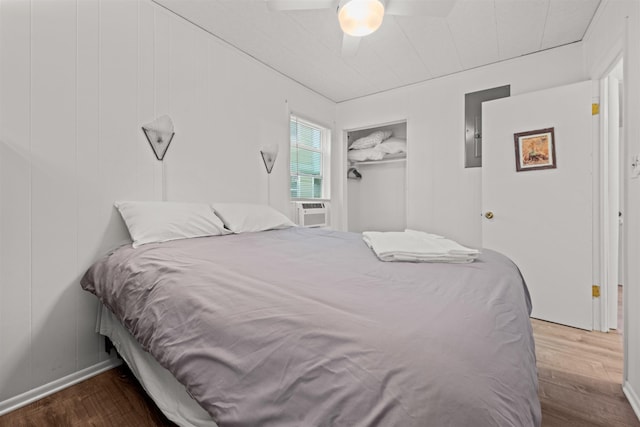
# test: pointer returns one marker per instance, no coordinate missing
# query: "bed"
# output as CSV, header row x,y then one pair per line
x,y
306,327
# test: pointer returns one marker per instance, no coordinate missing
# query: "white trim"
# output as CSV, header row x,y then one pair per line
x,y
376,125
624,153
45,390
601,318
377,162
610,56
596,18
601,306
632,397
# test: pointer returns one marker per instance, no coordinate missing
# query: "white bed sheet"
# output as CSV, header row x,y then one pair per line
x,y
168,394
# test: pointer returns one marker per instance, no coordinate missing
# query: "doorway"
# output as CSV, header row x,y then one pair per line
x,y
612,192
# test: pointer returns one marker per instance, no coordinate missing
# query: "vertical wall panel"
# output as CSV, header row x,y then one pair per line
x,y
162,88
91,212
213,154
15,198
54,187
202,118
202,80
119,125
183,87
229,137
147,163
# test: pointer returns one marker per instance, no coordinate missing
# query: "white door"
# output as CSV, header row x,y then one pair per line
x,y
542,219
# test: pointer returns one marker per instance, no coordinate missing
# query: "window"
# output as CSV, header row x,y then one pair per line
x,y
309,164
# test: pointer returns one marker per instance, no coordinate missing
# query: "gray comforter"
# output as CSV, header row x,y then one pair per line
x,y
306,327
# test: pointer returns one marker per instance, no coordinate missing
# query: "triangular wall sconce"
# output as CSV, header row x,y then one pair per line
x,y
269,155
159,133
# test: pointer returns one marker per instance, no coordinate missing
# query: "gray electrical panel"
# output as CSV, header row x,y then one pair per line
x,y
473,122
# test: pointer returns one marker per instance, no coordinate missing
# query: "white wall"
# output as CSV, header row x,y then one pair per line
x,y
443,196
615,29
226,105
377,201
77,80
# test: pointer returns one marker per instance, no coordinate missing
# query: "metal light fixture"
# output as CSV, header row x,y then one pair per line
x,y
361,17
159,133
269,154
353,173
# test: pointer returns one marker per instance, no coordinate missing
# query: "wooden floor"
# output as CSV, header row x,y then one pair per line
x,y
113,399
580,375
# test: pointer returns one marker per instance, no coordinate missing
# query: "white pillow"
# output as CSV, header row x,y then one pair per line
x,y
250,217
393,145
364,155
370,140
152,222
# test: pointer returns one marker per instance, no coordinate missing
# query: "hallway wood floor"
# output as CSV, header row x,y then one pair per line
x,y
580,375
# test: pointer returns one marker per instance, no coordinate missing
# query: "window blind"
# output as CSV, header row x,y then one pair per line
x,y
306,159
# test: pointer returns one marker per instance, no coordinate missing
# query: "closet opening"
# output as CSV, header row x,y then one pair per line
x,y
377,177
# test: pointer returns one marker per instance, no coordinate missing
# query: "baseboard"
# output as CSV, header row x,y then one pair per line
x,y
57,385
632,397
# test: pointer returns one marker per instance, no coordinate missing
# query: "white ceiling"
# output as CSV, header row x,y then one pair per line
x,y
305,45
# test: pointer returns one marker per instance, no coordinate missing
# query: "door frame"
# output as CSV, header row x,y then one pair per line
x,y
602,304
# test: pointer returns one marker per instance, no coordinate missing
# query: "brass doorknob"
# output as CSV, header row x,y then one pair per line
x,y
488,215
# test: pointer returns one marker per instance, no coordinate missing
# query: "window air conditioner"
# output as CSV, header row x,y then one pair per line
x,y
312,214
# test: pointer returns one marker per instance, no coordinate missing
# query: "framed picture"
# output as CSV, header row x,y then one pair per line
x,y
535,150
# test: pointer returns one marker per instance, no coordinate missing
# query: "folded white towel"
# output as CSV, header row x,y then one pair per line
x,y
417,246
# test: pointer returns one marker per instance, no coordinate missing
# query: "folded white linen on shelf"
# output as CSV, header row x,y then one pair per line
x,y
417,246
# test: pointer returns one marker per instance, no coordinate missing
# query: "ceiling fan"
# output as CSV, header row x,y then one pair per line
x,y
359,18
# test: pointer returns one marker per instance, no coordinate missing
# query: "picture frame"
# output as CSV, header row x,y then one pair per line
x,y
535,150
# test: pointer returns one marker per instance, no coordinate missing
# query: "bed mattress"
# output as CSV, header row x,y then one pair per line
x,y
306,327
169,395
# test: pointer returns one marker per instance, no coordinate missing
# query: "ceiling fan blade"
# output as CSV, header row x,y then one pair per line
x,y
299,4
350,45
435,8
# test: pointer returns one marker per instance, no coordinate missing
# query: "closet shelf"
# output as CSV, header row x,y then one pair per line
x,y
378,162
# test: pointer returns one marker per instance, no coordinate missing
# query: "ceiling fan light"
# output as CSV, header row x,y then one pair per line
x,y
361,17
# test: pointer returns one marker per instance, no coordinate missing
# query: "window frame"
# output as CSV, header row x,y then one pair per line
x,y
325,159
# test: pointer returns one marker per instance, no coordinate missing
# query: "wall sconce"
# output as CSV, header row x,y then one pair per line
x,y
159,133
269,154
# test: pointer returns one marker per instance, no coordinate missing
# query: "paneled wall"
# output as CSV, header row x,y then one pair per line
x,y
77,80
